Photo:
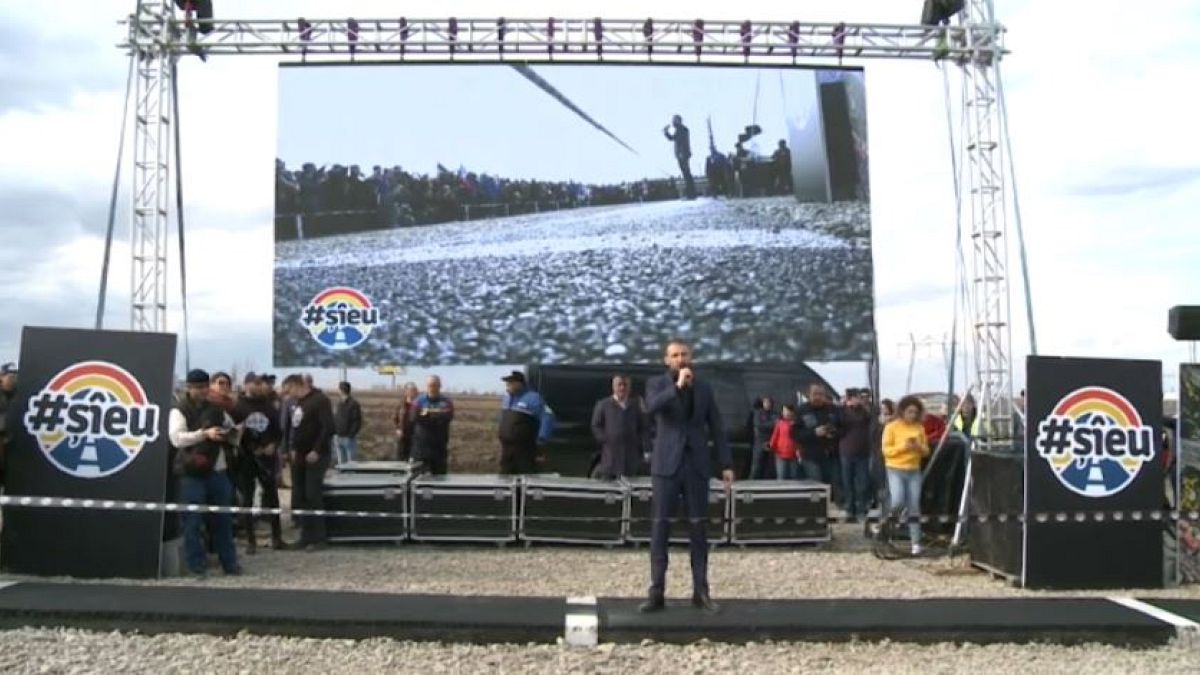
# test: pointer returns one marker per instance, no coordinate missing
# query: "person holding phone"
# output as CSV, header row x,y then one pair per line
x,y
904,449
198,431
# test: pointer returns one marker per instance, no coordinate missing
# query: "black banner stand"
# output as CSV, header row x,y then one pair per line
x,y
89,422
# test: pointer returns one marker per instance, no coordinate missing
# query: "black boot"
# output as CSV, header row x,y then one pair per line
x,y
654,603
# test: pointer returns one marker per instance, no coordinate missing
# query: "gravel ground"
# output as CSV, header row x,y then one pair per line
x,y
844,568
763,280
70,651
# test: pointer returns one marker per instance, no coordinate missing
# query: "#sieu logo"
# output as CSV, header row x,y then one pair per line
x,y
340,318
1095,442
92,419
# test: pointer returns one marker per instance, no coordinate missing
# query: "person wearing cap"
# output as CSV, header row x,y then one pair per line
x,y
8,392
430,415
525,421
197,431
259,457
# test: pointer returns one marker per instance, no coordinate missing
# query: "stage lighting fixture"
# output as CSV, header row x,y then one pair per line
x,y
203,10
453,34
598,31
403,23
793,36
550,36
747,31
648,33
839,39
501,29
306,32
698,35
352,35
938,12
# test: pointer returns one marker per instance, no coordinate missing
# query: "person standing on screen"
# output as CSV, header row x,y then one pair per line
x,y
678,134
525,420
431,414
686,419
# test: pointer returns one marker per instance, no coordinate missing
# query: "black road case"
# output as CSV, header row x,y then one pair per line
x,y
717,526
464,507
378,467
366,492
766,512
599,505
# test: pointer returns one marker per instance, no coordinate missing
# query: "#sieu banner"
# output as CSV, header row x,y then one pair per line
x,y
1093,444
89,422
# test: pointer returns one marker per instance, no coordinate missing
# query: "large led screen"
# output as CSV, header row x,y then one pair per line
x,y
477,214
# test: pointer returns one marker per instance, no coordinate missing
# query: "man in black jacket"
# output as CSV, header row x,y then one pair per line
x,y
816,430
347,422
259,456
312,431
431,415
681,138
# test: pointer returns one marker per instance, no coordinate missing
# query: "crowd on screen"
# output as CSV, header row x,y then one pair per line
x,y
394,197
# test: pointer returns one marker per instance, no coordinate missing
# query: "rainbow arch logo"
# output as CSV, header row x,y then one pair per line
x,y
340,318
92,419
1095,442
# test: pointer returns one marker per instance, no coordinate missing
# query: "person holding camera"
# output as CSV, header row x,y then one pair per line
x,y
198,431
817,429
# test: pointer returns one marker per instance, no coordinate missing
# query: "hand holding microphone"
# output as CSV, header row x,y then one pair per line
x,y
685,378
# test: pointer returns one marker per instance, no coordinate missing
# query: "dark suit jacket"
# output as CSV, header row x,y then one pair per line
x,y
674,435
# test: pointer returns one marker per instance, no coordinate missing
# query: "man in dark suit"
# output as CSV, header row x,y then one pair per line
x,y
681,138
686,418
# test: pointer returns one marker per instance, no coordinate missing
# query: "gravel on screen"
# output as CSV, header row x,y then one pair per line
x,y
755,280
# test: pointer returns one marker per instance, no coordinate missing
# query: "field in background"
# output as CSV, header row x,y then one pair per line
x,y
473,444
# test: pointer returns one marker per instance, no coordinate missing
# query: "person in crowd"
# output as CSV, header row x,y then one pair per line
x,y
220,392
8,393
966,420
763,423
781,169
905,447
816,431
854,450
681,137
686,420
887,411
259,461
935,426
198,430
620,426
347,423
525,421
431,415
783,444
311,435
402,421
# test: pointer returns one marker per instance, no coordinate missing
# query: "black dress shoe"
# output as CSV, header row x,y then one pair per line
x,y
652,605
704,602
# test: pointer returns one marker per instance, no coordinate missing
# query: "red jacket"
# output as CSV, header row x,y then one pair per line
x,y
935,428
782,443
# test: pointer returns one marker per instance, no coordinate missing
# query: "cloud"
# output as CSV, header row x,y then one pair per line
x,y
1134,180
39,70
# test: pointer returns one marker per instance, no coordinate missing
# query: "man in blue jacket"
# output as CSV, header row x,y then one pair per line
x,y
686,419
525,420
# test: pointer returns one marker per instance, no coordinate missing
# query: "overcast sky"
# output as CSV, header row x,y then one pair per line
x,y
1102,119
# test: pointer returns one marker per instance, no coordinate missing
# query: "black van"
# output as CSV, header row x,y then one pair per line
x,y
572,392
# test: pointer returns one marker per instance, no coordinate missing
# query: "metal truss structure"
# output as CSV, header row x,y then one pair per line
x,y
158,35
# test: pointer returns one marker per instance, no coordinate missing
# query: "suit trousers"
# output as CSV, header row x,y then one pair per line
x,y
665,496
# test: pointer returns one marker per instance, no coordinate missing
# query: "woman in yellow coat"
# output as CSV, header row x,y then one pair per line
x,y
904,448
